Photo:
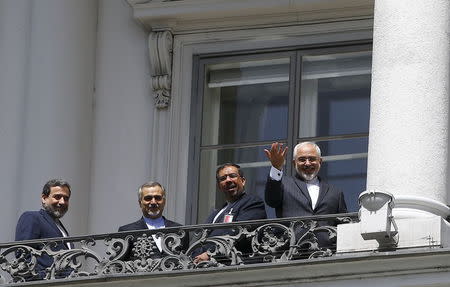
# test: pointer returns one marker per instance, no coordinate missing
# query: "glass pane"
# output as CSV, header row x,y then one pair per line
x,y
344,146
345,166
253,163
335,94
348,175
245,102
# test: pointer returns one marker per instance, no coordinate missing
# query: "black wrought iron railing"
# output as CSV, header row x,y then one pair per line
x,y
247,242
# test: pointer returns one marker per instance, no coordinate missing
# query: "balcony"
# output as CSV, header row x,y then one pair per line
x,y
135,253
277,252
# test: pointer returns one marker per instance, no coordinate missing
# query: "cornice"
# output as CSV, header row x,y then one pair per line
x,y
187,16
165,19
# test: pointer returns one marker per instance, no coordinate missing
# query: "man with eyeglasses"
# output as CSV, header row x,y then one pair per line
x,y
151,199
305,193
239,206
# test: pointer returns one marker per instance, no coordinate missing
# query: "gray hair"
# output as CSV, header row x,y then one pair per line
x,y
150,184
300,145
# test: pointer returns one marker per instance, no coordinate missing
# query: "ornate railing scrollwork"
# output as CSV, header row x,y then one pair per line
x,y
22,265
227,244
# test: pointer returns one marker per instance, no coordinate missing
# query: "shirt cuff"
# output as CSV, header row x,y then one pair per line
x,y
275,174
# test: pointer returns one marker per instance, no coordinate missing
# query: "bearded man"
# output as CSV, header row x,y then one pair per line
x,y
305,193
46,223
151,200
240,206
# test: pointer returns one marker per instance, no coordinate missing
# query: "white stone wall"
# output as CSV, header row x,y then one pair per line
x,y
123,112
46,107
75,103
15,17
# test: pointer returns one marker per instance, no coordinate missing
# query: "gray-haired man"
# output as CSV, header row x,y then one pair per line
x,y
151,199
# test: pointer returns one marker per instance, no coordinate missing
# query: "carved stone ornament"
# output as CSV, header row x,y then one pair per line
x,y
160,51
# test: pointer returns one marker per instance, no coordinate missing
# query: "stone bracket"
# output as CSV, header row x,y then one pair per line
x,y
160,47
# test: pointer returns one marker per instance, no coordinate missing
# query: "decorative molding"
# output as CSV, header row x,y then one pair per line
x,y
187,16
160,49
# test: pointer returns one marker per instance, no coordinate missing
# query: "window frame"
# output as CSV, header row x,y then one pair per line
x,y
295,53
172,150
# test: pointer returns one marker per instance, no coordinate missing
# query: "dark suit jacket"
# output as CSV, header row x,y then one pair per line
x,y
248,207
141,225
38,225
290,198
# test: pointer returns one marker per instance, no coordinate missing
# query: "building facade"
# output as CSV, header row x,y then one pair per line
x,y
110,94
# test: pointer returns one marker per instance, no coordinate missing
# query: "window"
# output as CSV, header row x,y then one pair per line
x,y
246,102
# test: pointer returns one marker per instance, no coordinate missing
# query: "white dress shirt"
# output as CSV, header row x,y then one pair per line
x,y
313,189
155,224
313,185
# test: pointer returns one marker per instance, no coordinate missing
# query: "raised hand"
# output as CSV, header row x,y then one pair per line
x,y
276,155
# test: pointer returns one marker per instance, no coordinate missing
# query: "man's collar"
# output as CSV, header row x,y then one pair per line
x,y
154,222
308,181
313,181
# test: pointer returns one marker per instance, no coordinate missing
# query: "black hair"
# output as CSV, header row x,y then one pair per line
x,y
222,166
55,182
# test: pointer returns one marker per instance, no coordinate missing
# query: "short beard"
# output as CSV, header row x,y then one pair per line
x,y
154,214
53,212
305,176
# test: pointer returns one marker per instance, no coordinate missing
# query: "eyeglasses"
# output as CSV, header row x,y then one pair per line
x,y
59,196
150,197
224,177
310,158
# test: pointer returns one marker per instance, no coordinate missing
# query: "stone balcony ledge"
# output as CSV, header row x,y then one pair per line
x,y
414,267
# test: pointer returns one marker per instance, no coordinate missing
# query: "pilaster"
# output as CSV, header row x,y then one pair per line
x,y
15,31
58,105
